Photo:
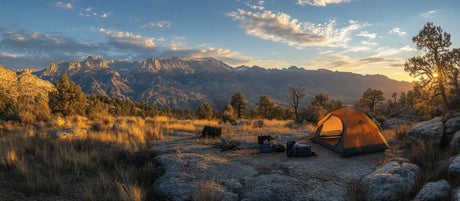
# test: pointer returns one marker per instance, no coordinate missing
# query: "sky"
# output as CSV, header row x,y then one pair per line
x,y
359,36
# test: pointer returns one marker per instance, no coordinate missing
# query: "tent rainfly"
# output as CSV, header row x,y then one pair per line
x,y
348,131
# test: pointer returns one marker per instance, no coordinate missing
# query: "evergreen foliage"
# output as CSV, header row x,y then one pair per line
x,y
370,99
204,111
239,104
68,99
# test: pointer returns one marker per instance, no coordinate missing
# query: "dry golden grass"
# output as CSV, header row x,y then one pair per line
x,y
107,157
355,191
207,191
400,133
103,157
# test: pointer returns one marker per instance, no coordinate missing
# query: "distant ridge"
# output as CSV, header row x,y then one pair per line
x,y
189,82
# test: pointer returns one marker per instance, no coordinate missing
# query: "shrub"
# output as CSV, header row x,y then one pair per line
x,y
207,191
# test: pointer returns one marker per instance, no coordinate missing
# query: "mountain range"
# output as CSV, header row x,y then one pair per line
x,y
189,82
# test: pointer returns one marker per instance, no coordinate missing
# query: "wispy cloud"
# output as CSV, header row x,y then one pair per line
x,y
104,15
397,30
63,5
321,2
326,52
386,51
255,7
428,13
89,12
129,40
150,25
367,34
369,43
279,27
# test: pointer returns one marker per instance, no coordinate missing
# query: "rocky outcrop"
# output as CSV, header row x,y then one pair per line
x,y
452,125
431,130
454,166
455,141
393,181
23,83
434,191
456,194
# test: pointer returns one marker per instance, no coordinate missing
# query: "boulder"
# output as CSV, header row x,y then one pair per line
x,y
393,181
455,141
452,125
434,191
457,114
428,130
456,194
454,165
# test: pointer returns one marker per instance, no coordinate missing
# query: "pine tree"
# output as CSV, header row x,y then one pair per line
x,y
228,114
204,111
239,104
68,99
437,64
370,99
266,107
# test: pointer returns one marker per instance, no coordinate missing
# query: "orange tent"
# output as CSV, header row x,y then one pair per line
x,y
349,131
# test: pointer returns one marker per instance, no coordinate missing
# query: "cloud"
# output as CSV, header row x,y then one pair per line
x,y
321,2
178,37
255,7
428,13
368,43
63,5
88,12
325,52
397,30
386,51
279,27
24,49
150,25
104,15
128,40
7,55
367,34
24,41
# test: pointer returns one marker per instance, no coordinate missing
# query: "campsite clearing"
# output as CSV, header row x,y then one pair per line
x,y
194,169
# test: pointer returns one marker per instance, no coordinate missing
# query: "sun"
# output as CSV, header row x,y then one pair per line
x,y
435,75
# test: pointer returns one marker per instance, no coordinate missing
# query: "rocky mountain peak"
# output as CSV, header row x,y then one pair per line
x,y
95,62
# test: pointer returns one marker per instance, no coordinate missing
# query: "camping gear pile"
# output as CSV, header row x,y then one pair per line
x,y
297,149
269,144
265,143
224,146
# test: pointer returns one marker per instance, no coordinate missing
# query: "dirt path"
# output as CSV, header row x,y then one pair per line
x,y
246,174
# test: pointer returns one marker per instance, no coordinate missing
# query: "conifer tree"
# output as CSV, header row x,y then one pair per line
x,y
239,104
68,99
204,111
